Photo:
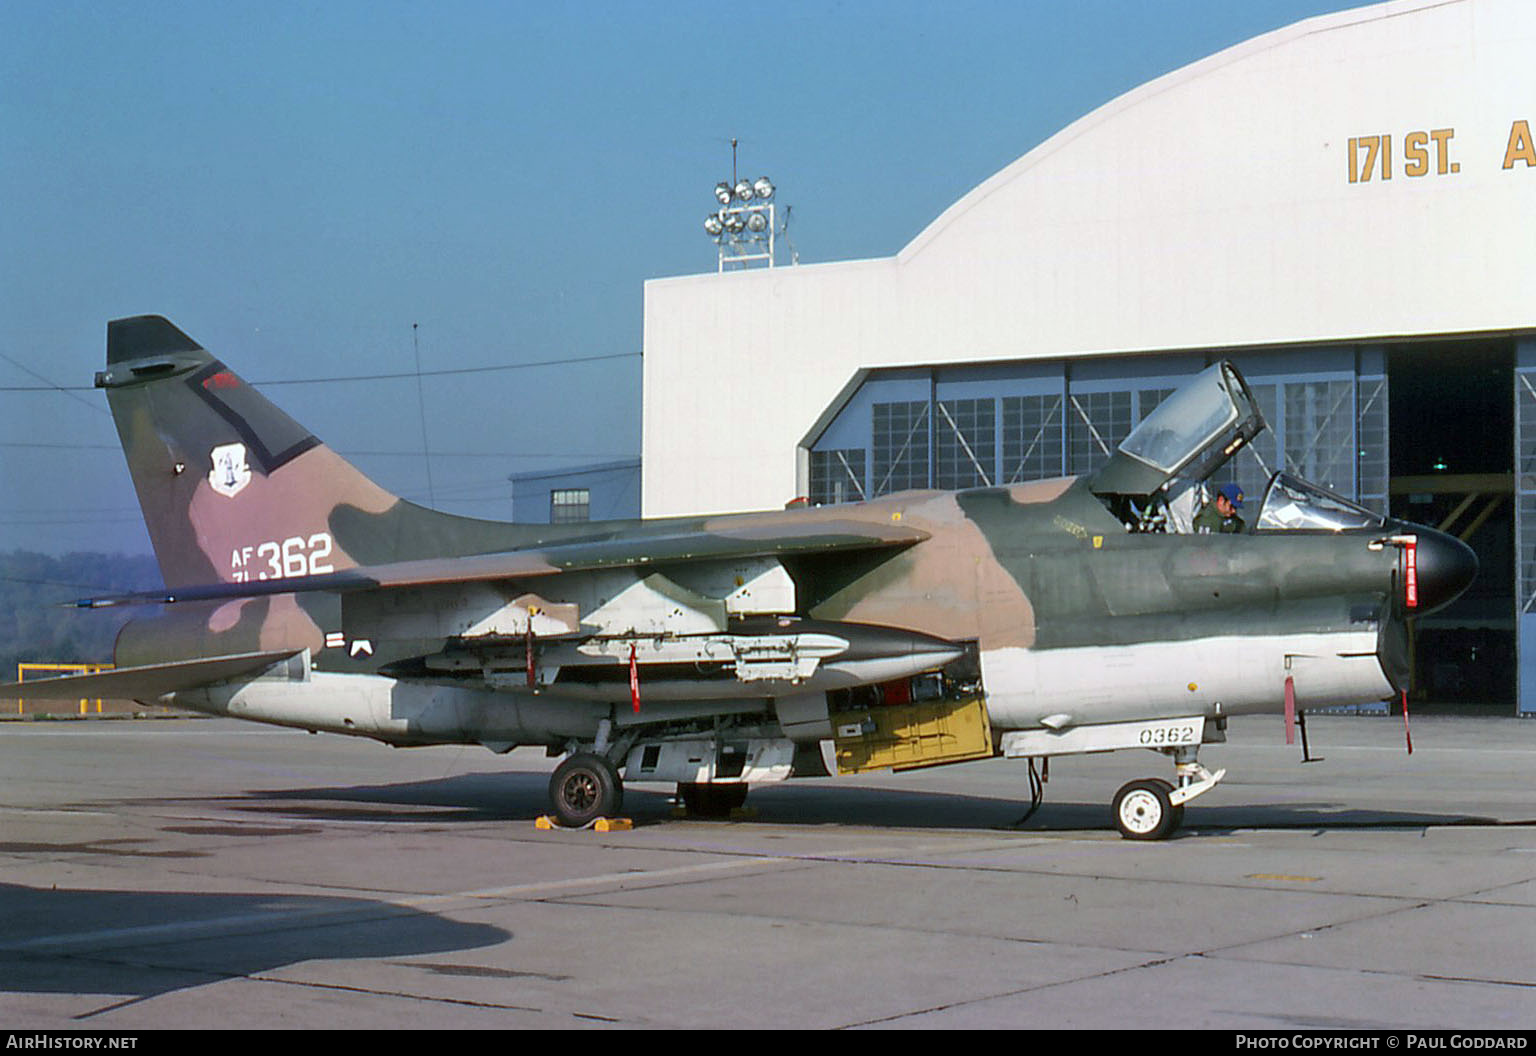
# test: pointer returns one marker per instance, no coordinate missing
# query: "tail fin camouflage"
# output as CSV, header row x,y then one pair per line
x,y
232,489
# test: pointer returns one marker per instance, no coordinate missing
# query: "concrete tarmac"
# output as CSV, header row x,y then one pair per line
x,y
207,874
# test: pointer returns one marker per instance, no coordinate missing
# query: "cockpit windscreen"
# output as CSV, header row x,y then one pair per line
x,y
1291,503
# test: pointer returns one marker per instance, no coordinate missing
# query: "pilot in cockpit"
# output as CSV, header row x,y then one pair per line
x,y
1220,515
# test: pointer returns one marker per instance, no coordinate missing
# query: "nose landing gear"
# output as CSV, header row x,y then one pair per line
x,y
1153,809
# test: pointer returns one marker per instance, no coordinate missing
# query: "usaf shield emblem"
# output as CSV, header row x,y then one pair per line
x,y
230,473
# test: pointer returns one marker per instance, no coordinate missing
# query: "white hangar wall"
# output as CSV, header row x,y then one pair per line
x,y
1363,175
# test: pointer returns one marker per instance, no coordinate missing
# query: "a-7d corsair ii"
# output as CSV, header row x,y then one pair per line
x,y
1052,618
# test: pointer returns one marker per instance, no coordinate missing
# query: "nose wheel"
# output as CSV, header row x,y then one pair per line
x,y
1144,810
1153,809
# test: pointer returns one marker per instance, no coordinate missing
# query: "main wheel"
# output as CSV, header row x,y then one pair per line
x,y
1143,811
584,788
712,801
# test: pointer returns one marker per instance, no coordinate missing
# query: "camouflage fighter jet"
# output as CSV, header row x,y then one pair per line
x,y
1051,618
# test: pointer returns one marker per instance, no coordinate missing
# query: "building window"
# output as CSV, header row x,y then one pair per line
x,y
1525,480
1320,433
1031,438
1371,470
901,446
1099,421
837,476
569,505
965,444
1147,401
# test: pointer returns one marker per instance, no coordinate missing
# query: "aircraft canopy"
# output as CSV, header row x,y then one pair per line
x,y
1191,435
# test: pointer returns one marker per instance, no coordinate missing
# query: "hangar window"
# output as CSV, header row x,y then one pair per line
x,y
1031,438
1371,432
900,446
1525,479
1319,432
965,444
1099,421
569,505
837,476
1148,399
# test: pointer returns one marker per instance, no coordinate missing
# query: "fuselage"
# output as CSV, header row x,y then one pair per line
x,y
1068,613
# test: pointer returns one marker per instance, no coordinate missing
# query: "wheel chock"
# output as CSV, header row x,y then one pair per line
x,y
548,823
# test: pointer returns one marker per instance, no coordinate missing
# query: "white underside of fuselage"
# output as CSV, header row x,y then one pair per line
x,y
400,712
1227,675
1025,689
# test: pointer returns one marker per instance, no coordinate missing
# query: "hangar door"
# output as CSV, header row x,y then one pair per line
x,y
1525,522
1007,423
1455,407
981,426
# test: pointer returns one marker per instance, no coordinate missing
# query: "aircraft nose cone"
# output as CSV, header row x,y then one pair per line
x,y
1446,567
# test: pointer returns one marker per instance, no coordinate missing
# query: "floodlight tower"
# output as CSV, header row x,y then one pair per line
x,y
743,226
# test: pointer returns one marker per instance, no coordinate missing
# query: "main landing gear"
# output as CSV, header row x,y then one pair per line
x,y
584,788
1153,809
587,786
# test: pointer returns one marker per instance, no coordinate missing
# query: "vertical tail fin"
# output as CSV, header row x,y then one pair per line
x,y
232,489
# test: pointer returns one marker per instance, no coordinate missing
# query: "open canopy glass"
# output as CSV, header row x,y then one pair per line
x,y
1190,435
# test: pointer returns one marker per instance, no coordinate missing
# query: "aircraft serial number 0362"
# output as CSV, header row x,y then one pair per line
x,y
1158,736
927,627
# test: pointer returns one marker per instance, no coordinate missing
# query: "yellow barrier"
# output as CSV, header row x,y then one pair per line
x,y
72,669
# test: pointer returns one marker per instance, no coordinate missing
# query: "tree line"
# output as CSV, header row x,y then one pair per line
x,y
37,624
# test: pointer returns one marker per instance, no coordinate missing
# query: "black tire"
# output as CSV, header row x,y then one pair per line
x,y
1178,812
712,801
584,788
1142,810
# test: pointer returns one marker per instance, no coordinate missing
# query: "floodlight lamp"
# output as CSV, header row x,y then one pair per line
x,y
744,190
723,193
734,223
757,223
713,225
764,188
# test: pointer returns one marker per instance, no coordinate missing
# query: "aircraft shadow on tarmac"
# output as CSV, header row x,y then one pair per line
x,y
523,797
145,943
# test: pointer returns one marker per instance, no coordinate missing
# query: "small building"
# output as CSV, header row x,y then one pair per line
x,y
608,491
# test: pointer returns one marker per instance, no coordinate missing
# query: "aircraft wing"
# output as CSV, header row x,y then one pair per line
x,y
146,682
620,552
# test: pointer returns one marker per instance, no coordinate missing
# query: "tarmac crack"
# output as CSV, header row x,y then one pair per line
x,y
210,976
1466,898
1017,992
310,984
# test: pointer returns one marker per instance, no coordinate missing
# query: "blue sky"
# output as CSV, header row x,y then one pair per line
x,y
297,185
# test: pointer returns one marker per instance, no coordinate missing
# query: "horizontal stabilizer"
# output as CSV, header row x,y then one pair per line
x,y
143,683
623,552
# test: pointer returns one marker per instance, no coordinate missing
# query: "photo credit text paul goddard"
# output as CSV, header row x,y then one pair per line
x,y
1386,1041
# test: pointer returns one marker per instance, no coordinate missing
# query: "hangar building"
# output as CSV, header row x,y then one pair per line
x,y
1345,207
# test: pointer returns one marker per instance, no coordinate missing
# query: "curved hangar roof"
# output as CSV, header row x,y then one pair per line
x,y
1356,176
